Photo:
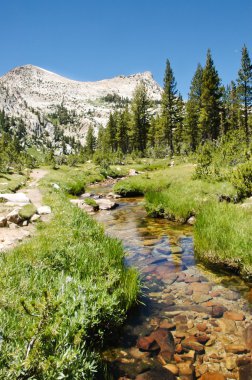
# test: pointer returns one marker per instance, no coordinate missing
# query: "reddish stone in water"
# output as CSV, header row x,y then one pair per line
x,y
165,324
212,376
201,327
218,311
191,343
204,287
147,343
248,337
234,316
180,318
164,339
202,338
235,348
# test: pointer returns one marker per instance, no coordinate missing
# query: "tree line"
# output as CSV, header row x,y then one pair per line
x,y
179,127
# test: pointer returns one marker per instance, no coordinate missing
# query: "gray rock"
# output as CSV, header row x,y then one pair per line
x,y
14,217
15,198
132,172
106,204
44,210
191,220
35,217
56,186
86,195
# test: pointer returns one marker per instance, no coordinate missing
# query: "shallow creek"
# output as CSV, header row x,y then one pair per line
x,y
191,321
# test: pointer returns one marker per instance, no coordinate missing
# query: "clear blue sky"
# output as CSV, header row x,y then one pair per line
x,y
95,39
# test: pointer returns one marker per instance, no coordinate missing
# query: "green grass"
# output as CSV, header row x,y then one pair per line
x,y
11,182
73,180
27,211
62,294
172,193
223,237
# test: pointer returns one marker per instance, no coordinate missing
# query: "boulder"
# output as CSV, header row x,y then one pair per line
x,y
56,186
35,218
14,217
191,220
86,195
44,210
15,198
106,204
3,221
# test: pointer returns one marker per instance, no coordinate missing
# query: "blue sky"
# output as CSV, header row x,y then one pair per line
x,y
95,39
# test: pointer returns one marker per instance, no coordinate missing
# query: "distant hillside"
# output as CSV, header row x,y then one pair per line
x,y
45,100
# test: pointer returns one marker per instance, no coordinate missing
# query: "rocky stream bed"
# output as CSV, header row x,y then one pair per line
x,y
191,323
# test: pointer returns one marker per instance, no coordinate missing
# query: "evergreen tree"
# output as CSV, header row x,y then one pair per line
x,y
140,118
123,130
168,105
245,88
112,131
179,129
231,109
209,120
90,142
193,107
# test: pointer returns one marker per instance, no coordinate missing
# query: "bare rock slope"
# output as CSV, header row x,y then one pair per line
x,y
32,93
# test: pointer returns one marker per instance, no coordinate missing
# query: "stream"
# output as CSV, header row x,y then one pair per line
x,y
190,321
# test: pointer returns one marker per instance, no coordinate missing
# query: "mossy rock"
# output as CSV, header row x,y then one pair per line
x,y
27,211
92,202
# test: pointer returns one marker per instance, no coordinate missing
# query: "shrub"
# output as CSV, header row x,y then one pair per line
x,y
242,179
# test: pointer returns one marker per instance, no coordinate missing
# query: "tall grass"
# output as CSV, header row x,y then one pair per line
x,y
223,237
62,294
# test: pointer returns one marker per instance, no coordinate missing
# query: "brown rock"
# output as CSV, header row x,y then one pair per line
x,y
180,318
137,354
227,326
235,348
248,337
157,374
201,327
212,376
217,311
204,287
185,368
165,324
147,343
202,338
172,368
190,343
234,316
240,361
164,339
245,372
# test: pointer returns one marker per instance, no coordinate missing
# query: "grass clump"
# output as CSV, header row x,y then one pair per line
x,y
27,211
92,202
223,237
73,180
9,183
62,294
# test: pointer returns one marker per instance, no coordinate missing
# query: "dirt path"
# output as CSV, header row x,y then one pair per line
x,y
14,234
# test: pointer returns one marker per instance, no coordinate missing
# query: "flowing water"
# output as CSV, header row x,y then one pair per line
x,y
173,285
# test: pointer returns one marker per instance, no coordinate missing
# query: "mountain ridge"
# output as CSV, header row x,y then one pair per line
x,y
32,94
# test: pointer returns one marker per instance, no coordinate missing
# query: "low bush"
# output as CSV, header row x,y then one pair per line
x,y
242,179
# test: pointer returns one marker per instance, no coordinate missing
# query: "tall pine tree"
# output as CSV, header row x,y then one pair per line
x,y
209,120
245,88
140,118
168,105
193,107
